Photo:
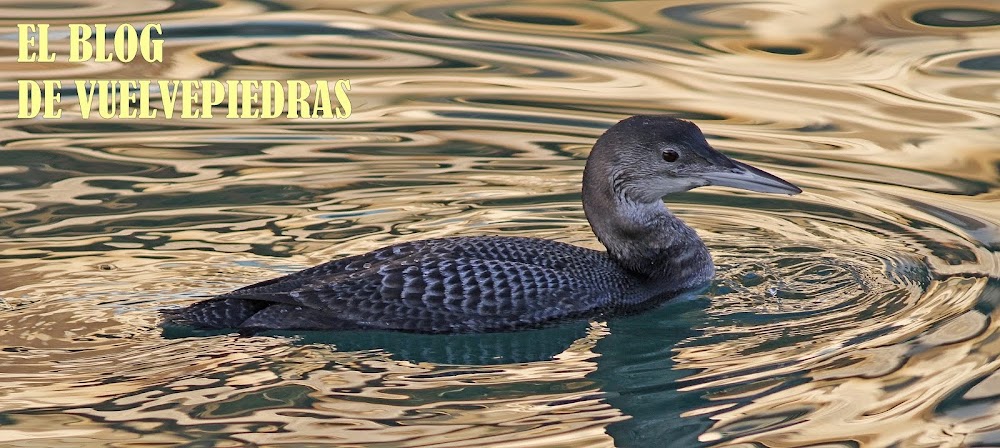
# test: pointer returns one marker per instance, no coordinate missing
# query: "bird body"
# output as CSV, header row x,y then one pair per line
x,y
494,283
461,284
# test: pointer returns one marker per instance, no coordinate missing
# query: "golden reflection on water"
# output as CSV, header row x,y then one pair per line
x,y
862,312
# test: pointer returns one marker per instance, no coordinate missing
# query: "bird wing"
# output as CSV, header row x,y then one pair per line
x,y
574,260
438,295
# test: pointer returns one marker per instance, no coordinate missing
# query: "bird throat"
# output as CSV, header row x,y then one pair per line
x,y
649,241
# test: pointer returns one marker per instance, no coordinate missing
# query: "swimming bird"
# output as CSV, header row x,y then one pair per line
x,y
501,283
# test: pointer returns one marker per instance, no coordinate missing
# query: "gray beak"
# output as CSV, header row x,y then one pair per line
x,y
746,177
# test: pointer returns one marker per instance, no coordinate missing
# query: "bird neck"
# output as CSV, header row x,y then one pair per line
x,y
645,238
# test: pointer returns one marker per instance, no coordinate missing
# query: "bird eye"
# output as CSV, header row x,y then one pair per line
x,y
670,155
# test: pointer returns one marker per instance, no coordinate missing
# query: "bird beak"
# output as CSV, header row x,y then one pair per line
x,y
746,177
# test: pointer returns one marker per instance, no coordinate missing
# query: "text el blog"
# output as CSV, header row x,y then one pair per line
x,y
135,98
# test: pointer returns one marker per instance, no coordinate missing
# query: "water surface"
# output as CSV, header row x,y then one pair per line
x,y
860,313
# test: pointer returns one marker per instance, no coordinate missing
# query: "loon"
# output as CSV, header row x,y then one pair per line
x,y
499,283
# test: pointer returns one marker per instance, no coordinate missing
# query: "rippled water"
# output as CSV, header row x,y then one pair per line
x,y
860,313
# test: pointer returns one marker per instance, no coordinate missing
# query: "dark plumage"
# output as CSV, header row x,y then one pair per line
x,y
492,283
